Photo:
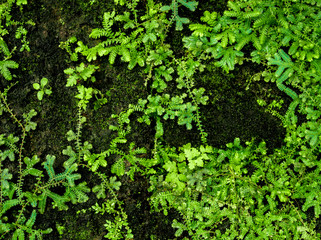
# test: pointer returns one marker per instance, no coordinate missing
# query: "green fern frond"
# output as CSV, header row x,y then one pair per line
x,y
77,194
199,30
191,5
100,191
112,55
164,199
234,6
264,33
4,68
245,39
59,200
19,234
253,14
265,19
48,165
4,47
281,19
118,167
9,204
32,219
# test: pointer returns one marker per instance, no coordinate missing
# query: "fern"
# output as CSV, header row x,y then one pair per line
x,y
191,5
106,31
4,47
8,204
118,167
77,194
4,68
32,219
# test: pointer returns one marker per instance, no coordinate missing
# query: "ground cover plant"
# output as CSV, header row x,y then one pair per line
x,y
124,119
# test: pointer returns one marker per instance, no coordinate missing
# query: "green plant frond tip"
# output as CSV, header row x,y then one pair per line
x,y
4,68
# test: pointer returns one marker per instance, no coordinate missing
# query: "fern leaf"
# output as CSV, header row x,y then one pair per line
x,y
265,19
243,41
229,58
32,219
233,5
125,53
32,198
59,200
112,55
263,34
179,22
78,194
282,20
48,165
9,204
190,5
100,191
42,200
5,176
231,14
106,19
252,14
4,47
284,62
19,234
118,167
4,68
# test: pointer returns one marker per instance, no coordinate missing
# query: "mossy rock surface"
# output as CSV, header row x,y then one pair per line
x,y
232,112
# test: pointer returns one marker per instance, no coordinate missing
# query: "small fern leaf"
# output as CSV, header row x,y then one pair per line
x,y
18,235
243,41
48,165
9,204
32,219
125,54
190,5
118,167
4,47
100,191
112,55
4,68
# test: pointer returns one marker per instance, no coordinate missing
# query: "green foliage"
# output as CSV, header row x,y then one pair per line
x,y
218,197
241,191
5,66
42,89
81,72
191,5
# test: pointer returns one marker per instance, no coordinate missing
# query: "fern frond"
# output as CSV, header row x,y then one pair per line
x,y
78,194
4,47
118,167
263,34
265,19
281,19
19,234
112,55
99,32
4,68
164,199
59,200
252,14
244,39
32,219
191,5
9,204
48,165
199,30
